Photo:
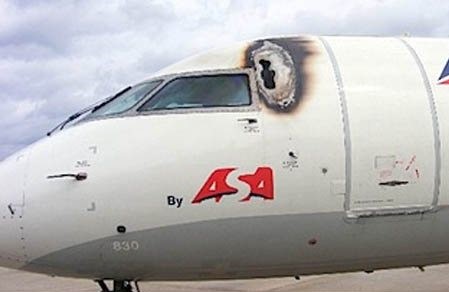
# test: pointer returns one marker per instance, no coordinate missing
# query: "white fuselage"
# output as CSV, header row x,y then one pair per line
x,y
359,169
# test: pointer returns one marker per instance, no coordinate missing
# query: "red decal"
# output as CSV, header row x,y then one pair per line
x,y
216,186
411,162
261,184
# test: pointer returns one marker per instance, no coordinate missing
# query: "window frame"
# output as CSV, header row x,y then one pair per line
x,y
255,105
252,90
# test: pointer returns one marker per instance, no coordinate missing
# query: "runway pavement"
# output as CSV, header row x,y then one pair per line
x,y
434,279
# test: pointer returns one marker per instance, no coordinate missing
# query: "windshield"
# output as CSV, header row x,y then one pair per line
x,y
125,100
121,102
202,92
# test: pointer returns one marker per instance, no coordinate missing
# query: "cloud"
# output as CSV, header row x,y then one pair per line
x,y
59,56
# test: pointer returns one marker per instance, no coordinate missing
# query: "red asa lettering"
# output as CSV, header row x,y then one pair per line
x,y
216,186
260,183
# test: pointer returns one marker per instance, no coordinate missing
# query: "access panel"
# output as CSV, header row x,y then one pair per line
x,y
393,154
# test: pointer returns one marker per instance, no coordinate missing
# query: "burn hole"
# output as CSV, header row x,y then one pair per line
x,y
267,74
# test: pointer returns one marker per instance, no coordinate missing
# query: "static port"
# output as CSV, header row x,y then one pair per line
x,y
121,229
313,241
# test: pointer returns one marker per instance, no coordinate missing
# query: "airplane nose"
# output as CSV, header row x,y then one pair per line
x,y
12,203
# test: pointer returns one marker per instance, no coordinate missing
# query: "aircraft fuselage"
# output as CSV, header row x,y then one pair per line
x,y
338,162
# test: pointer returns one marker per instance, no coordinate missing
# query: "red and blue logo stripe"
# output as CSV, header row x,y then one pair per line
x,y
444,78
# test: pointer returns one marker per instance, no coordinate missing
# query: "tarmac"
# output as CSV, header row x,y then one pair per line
x,y
433,279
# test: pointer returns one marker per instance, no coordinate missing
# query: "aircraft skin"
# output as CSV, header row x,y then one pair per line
x,y
339,164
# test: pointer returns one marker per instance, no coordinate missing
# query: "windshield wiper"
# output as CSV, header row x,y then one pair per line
x,y
108,100
91,108
68,120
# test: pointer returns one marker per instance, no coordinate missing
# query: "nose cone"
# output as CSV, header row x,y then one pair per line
x,y
12,199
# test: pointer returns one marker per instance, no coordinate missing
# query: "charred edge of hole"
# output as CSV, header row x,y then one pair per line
x,y
301,50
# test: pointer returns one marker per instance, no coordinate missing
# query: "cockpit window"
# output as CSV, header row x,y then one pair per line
x,y
230,90
124,100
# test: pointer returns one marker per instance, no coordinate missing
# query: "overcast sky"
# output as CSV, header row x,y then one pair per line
x,y
59,56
